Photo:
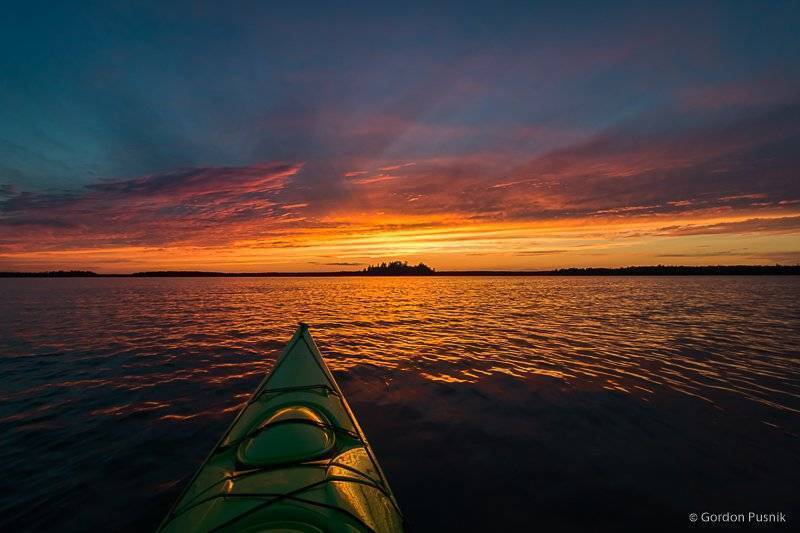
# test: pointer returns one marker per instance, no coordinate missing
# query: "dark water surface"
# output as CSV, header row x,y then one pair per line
x,y
503,403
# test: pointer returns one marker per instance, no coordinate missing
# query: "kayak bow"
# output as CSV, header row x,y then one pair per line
x,y
294,459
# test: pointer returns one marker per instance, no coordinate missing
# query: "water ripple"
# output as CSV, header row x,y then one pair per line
x,y
84,360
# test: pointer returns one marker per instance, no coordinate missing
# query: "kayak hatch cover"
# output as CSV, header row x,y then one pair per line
x,y
294,459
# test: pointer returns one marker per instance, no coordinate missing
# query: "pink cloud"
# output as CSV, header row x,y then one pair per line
x,y
396,167
213,204
373,179
742,197
788,224
625,171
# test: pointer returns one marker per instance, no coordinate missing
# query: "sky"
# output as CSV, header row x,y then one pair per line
x,y
310,136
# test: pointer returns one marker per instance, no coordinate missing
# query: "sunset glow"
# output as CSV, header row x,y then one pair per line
x,y
491,147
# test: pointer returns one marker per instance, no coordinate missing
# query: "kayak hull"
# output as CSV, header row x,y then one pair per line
x,y
294,459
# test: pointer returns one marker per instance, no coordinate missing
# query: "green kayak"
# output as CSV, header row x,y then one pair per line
x,y
294,459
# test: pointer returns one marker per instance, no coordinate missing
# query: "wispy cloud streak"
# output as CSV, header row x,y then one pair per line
x,y
199,206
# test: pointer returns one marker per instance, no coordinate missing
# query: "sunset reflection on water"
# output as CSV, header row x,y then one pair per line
x,y
125,384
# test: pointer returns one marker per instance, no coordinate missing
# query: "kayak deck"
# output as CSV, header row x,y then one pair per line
x,y
294,459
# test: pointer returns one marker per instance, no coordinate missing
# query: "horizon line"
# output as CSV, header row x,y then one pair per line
x,y
630,270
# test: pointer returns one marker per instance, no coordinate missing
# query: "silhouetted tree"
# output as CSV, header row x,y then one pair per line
x,y
398,268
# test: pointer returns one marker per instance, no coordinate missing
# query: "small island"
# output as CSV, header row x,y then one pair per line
x,y
398,268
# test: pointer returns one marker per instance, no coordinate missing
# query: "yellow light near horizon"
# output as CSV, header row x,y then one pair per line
x,y
444,241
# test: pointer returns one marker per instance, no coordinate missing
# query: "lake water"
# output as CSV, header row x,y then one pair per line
x,y
499,403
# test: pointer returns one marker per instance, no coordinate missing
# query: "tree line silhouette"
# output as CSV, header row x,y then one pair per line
x,y
398,268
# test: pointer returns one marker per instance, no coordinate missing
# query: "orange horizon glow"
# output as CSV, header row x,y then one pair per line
x,y
449,242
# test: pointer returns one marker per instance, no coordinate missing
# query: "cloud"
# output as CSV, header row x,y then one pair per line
x,y
742,197
336,263
7,190
788,256
630,170
208,205
396,167
789,224
541,252
710,253
372,179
